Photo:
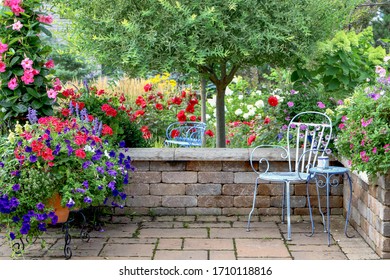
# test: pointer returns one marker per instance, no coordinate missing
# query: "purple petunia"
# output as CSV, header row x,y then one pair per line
x,y
86,184
28,149
42,226
33,158
70,203
12,235
112,154
100,169
122,144
87,164
111,185
87,199
40,206
109,164
112,172
16,187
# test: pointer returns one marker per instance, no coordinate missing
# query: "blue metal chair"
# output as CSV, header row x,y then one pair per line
x,y
307,133
185,134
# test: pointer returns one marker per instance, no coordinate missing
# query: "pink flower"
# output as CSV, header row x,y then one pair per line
x,y
321,105
341,126
12,84
340,102
364,156
28,77
290,104
380,71
27,63
52,94
3,47
15,6
17,26
2,67
374,150
387,148
49,64
45,19
251,139
293,91
344,118
366,123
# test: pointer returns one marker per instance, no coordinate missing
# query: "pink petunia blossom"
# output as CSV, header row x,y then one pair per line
x,y
2,67
344,118
374,150
12,84
17,26
321,105
366,123
340,102
27,63
3,47
341,126
290,104
387,148
52,94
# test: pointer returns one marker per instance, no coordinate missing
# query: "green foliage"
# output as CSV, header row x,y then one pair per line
x,y
342,63
214,38
381,27
23,43
364,128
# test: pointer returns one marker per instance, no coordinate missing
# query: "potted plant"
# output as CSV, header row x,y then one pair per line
x,y
363,137
70,157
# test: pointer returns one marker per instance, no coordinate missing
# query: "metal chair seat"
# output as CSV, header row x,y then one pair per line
x,y
292,177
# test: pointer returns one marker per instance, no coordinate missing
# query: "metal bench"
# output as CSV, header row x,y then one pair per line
x,y
185,134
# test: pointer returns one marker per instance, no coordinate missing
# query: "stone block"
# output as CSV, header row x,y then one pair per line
x,y
167,165
246,201
141,165
168,211
137,189
139,210
204,166
236,166
245,177
179,177
144,201
215,177
167,189
241,189
385,229
179,201
203,189
145,177
215,201
203,211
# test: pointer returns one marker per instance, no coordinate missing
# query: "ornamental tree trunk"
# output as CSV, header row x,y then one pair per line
x,y
203,96
220,116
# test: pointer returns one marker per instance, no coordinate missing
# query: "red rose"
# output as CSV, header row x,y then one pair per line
x,y
175,133
193,118
267,120
273,101
139,113
176,100
159,106
190,108
181,116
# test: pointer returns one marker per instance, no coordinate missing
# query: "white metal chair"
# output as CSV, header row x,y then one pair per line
x,y
308,136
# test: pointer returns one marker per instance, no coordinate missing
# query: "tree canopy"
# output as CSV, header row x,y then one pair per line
x,y
210,37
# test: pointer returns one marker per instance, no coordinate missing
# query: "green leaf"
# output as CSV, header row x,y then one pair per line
x,y
14,60
26,98
331,71
45,30
6,75
6,104
20,108
36,104
294,76
38,80
18,72
333,85
33,93
48,111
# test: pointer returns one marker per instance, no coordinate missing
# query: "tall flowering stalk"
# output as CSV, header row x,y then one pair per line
x,y
25,68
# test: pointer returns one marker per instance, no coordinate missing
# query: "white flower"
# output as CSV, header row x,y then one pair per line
x,y
259,104
88,148
215,113
229,100
212,101
386,58
238,112
246,116
240,97
228,91
258,92
252,112
250,107
106,154
207,116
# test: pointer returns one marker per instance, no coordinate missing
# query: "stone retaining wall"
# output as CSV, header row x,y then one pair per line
x,y
371,211
205,181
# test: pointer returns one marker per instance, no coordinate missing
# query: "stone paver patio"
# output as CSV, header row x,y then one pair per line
x,y
203,238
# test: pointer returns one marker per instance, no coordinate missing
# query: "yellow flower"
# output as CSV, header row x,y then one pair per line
x,y
18,128
347,101
329,112
27,127
11,137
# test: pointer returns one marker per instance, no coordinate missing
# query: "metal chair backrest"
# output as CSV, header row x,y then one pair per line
x,y
309,133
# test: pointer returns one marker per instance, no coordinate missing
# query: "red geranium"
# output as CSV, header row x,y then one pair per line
x,y
176,100
273,101
107,130
148,87
80,153
175,133
159,106
193,118
251,139
209,133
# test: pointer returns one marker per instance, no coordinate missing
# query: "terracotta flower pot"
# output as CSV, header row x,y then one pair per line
x,y
61,212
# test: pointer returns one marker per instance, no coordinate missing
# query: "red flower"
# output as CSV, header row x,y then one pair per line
x,y
107,130
190,108
49,64
209,133
183,94
273,101
80,153
159,106
227,141
140,101
176,100
145,132
181,116
175,133
193,118
65,112
139,113
68,92
81,138
100,92
267,120
251,139
122,98
36,146
193,101
148,87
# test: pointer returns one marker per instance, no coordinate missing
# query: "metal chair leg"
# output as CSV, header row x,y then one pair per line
x,y
253,204
287,184
284,204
